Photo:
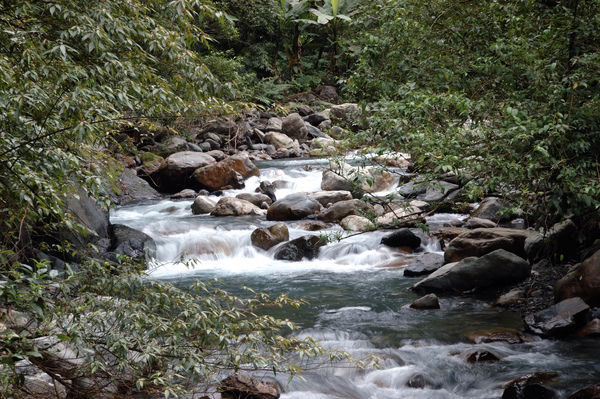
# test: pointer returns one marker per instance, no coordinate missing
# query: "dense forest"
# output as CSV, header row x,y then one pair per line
x,y
505,95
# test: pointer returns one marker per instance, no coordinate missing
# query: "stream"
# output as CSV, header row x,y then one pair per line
x,y
355,304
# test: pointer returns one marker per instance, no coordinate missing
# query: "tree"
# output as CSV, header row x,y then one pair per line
x,y
505,94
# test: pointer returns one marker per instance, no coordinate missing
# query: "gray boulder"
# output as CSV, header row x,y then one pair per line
x,y
202,205
132,188
174,173
131,242
424,265
293,127
583,282
229,206
340,210
498,268
330,197
274,125
257,199
479,242
293,207
560,319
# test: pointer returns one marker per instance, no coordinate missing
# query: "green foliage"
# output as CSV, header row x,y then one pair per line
x,y
505,94
134,334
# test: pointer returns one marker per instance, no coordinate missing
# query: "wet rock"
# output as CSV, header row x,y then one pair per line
x,y
357,223
300,248
560,319
225,173
506,335
293,127
131,242
202,205
418,381
187,193
479,223
591,392
229,206
330,197
402,238
483,356
490,208
293,207
244,386
255,198
582,282
509,299
424,265
341,209
268,237
169,209
176,170
429,301
561,239
497,268
531,387
479,242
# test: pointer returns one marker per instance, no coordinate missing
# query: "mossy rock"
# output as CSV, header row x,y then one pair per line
x,y
149,157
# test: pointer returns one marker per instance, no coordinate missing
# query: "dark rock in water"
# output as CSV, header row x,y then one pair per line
x,y
418,381
592,392
424,265
429,301
131,242
266,238
558,320
482,356
244,386
187,193
591,329
268,189
482,241
582,282
531,386
169,209
293,207
506,335
303,247
497,268
402,238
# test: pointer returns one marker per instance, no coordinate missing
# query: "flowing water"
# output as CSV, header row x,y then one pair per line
x,y
355,304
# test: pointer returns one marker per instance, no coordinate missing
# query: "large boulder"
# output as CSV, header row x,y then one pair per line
x,y
132,188
303,247
490,208
357,223
561,239
340,210
330,197
267,237
583,282
402,238
280,140
244,386
562,318
497,268
482,241
293,207
176,170
131,242
202,205
424,265
229,206
293,127
225,174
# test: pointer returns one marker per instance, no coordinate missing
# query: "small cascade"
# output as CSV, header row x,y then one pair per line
x,y
354,304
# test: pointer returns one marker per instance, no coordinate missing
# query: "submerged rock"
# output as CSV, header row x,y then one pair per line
x,y
482,356
494,269
429,301
506,335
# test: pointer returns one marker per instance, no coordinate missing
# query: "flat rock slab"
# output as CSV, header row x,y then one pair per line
x,y
560,319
